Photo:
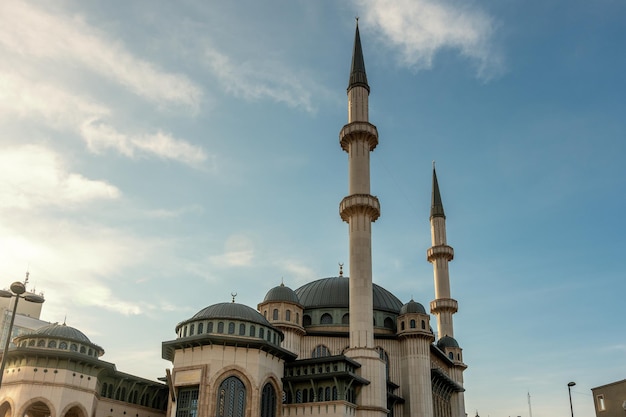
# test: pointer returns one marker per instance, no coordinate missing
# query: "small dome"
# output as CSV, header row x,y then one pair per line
x,y
233,311
62,331
412,307
281,293
447,342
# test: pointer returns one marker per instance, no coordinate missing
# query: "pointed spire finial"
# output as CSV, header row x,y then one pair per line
x,y
233,294
357,72
436,206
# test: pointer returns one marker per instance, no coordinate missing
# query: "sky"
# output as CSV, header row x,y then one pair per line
x,y
156,157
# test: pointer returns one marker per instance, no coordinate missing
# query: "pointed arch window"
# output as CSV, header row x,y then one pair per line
x,y
320,351
268,401
326,319
231,398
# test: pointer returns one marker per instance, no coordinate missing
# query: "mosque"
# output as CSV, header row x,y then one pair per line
x,y
337,346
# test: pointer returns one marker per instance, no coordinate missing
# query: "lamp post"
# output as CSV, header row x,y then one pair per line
x,y
569,389
17,289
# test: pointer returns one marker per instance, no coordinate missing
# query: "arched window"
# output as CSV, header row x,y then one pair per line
x,y
200,328
320,351
231,398
209,327
423,325
185,331
345,319
104,390
63,345
52,344
73,347
242,329
261,333
385,358
123,396
412,324
311,394
451,355
83,350
31,342
252,331
402,325
268,401
297,318
231,328
288,315
192,329
320,394
326,319
305,396
389,323
327,394
335,394
306,320
299,396
275,314
110,392
220,327
41,343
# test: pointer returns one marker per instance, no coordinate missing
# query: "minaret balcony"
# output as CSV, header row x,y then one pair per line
x,y
444,304
440,251
359,204
358,130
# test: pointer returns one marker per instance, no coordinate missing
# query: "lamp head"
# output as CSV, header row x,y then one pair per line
x,y
18,288
34,298
571,384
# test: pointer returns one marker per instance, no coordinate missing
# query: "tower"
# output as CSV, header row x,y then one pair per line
x,y
360,209
439,254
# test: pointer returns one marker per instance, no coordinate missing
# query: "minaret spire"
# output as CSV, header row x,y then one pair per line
x,y
443,306
357,71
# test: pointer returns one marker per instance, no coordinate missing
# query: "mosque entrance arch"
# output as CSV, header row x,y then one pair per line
x,y
5,409
37,409
75,411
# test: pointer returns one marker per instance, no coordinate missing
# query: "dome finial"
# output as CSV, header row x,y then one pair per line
x,y
340,269
282,281
233,294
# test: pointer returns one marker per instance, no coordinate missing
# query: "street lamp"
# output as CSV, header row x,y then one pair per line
x,y
17,289
569,389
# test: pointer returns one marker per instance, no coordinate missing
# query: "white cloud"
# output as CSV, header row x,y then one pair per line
x,y
28,31
259,80
101,136
36,177
238,251
62,110
420,28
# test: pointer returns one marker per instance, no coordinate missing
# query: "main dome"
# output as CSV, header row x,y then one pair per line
x,y
334,292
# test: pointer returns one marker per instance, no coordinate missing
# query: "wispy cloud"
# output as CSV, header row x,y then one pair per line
x,y
29,31
238,251
259,80
421,28
36,177
101,136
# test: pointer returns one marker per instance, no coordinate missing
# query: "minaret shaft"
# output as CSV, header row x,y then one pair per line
x,y
440,254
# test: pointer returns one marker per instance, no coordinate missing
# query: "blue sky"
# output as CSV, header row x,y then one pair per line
x,y
157,156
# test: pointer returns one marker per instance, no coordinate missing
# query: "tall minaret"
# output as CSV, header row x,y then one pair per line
x,y
443,306
360,209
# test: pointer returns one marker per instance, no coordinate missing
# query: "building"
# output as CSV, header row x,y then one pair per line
x,y
337,346
610,400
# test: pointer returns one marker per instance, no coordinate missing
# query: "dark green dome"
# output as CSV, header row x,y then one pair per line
x,y
281,293
447,342
334,292
412,307
62,331
234,311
